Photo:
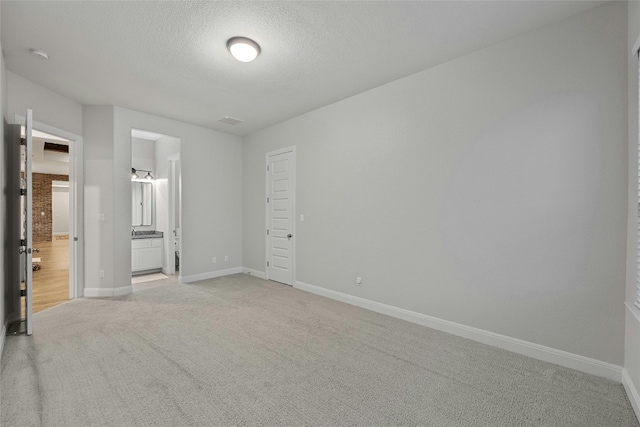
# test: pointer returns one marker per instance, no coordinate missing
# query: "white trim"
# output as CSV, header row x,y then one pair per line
x,y
627,382
169,251
210,275
107,292
76,224
76,199
98,292
634,310
537,351
3,335
632,392
256,273
294,173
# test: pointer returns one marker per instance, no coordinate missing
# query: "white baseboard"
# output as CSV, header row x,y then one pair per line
x,y
632,392
536,351
210,275
107,292
256,273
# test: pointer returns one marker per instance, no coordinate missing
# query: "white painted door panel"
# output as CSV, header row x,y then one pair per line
x,y
27,222
280,185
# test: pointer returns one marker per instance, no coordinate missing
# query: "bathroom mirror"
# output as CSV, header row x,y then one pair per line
x,y
141,203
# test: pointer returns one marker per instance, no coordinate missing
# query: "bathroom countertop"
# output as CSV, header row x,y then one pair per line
x,y
147,235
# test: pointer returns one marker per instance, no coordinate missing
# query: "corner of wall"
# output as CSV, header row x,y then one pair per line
x,y
631,371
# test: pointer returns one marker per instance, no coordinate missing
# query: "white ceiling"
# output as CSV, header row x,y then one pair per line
x,y
170,58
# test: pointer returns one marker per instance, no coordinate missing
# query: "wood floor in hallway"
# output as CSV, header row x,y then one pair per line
x,y
51,282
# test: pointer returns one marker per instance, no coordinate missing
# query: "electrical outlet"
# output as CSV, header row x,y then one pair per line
x,y
214,260
358,281
226,258
101,273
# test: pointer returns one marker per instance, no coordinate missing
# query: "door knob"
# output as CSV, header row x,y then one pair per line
x,y
289,236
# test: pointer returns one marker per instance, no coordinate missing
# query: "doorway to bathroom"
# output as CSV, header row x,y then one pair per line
x,y
155,206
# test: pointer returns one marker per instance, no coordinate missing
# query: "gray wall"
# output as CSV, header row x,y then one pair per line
x,y
212,201
632,324
48,106
489,191
211,191
212,169
143,155
100,198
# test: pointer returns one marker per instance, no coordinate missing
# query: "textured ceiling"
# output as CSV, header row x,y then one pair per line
x,y
170,58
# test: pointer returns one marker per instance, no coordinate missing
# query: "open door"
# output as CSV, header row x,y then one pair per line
x,y
26,238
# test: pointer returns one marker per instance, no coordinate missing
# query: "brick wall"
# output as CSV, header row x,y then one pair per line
x,y
42,199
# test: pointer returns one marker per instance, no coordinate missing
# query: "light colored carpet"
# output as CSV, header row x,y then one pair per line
x,y
243,351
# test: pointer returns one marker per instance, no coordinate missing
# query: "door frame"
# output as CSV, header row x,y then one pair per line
x,y
76,203
267,155
171,217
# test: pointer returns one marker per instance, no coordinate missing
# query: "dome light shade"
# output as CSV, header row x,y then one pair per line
x,y
243,49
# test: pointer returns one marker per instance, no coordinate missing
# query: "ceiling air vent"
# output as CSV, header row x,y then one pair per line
x,y
230,120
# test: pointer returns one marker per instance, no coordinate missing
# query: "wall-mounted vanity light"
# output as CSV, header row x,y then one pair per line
x,y
134,174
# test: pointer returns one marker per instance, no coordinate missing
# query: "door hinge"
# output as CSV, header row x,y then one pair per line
x,y
23,191
267,168
23,292
267,200
267,263
75,239
267,232
23,141
23,242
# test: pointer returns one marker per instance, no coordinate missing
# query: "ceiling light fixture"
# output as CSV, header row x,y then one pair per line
x,y
243,49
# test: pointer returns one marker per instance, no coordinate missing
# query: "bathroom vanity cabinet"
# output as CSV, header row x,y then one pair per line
x,y
146,255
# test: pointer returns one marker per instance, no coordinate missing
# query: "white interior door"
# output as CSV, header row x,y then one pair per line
x,y
280,223
26,238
